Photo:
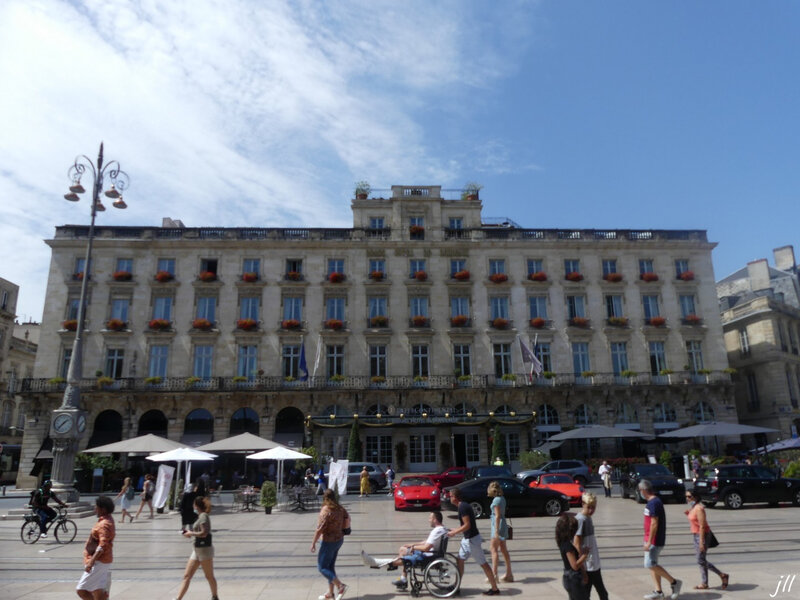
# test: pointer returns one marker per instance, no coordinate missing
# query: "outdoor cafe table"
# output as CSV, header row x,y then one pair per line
x,y
250,500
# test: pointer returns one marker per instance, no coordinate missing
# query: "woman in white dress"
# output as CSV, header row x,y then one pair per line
x,y
126,495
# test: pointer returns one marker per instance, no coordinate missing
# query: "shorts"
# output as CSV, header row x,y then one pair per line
x,y
416,556
99,578
651,556
202,553
472,547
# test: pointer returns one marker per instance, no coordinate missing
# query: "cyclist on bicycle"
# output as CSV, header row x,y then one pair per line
x,y
39,500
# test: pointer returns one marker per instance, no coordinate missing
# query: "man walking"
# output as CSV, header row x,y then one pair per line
x,y
605,475
390,479
471,542
585,537
655,537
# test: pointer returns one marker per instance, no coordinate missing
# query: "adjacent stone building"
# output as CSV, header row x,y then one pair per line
x,y
409,321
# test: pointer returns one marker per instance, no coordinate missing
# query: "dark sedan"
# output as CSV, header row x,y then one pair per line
x,y
736,485
480,471
521,500
665,484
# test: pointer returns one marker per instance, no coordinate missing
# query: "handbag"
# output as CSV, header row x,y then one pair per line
x,y
510,535
202,542
347,531
711,540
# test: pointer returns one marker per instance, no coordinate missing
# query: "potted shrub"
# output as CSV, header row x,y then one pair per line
x,y
164,276
508,379
420,380
538,276
70,324
687,276
500,323
461,275
618,321
336,277
588,374
362,190
459,320
159,324
613,277
579,322
419,321
57,381
247,324
704,371
155,380
421,276
379,321
335,324
648,276
104,381
377,275
122,276
290,324
294,275
628,374
464,378
190,381
729,370
290,379
202,324
115,324
657,321
498,277
692,320
269,496
471,190
207,276
378,379
573,276
336,378
538,322
249,277
548,374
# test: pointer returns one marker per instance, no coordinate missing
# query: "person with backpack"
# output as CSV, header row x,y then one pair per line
x,y
127,494
39,500
148,490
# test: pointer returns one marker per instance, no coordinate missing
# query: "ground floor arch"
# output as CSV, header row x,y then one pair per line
x,y
107,428
155,422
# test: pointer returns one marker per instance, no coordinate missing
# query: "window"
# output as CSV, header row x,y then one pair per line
x,y
335,265
744,342
650,306
793,339
613,305
694,353
377,307
80,265
502,359
124,264
157,364
119,309
294,265
422,448
473,447
782,337
664,413
498,306
415,265
417,225
209,265
248,307
687,305
537,307
293,308
535,265
497,266
66,356
585,415
681,266
456,223
456,265
166,264
703,413
609,266
418,306
334,308
334,360
542,352
575,307
459,305
572,265
420,359
378,448
114,362
290,361
162,307
548,415
416,221
462,363
247,362
580,358
72,308
203,361
658,359
376,223
206,308
619,357
251,265
646,266
377,265
377,361
4,300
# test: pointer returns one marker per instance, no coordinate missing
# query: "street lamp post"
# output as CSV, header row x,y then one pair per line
x,y
69,420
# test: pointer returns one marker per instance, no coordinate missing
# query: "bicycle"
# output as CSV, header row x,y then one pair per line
x,y
65,529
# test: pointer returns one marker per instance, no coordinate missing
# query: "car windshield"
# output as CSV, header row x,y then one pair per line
x,y
556,479
651,470
409,481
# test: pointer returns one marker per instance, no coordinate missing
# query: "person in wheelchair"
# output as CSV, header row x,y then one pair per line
x,y
39,500
412,554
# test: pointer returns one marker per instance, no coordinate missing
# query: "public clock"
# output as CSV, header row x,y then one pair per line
x,y
62,423
81,423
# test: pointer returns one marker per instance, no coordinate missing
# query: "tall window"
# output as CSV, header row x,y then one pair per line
x,y
609,266
456,265
334,360
334,308
379,448
124,264
658,359
376,223
335,265
456,223
459,305
646,266
687,305
542,351
207,308
703,413
650,306
80,265
575,307
753,401
293,308
613,305
535,265
418,306
415,265
377,306
744,342
247,363
166,264
162,307
208,264
72,308
502,359
66,356
497,265
248,307
157,363
619,357
203,361
420,359
580,357
548,415
290,360
417,225
377,360
681,266
377,265
251,265
694,354
664,413
462,363
114,360
473,448
119,308
538,307
422,448
294,265
498,306
572,265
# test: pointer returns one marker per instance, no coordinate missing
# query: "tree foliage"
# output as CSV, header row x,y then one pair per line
x,y
499,445
354,444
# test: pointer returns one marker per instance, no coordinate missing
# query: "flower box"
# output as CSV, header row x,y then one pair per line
x,y
613,277
78,276
122,275
657,321
290,324
379,321
246,324
687,276
190,381
154,380
164,276
202,324
500,323
538,276
538,322
336,277
207,276
335,324
159,324
115,324
692,320
459,320
294,276
249,277
103,382
573,276
70,324
421,276
378,379
618,321
377,275
579,322
461,275
419,321
498,277
416,229
336,379
648,276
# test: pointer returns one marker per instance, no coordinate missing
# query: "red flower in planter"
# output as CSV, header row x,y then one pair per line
x,y
250,277
336,277
500,323
416,229
419,321
164,276
294,275
122,276
290,324
202,324
115,324
207,276
247,324
379,321
657,321
78,276
377,275
459,320
538,276
498,277
461,275
573,276
421,276
648,276
613,277
70,324
692,319
687,275
335,324
579,321
538,322
159,324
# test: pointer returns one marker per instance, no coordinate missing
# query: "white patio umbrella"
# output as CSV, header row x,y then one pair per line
x,y
181,455
596,432
143,443
280,454
241,443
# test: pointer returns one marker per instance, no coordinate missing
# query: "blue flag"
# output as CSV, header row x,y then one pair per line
x,y
303,369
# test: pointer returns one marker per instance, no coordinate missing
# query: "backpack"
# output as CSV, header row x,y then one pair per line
x,y
130,493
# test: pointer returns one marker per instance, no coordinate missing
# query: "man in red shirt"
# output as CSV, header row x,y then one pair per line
x,y
95,583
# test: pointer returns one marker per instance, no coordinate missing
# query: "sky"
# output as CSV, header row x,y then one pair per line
x,y
645,115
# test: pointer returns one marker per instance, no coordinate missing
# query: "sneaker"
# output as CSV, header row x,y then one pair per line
x,y
401,583
341,592
391,567
654,595
491,592
676,589
42,535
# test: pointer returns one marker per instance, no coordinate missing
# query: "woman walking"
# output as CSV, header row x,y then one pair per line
x,y
497,513
364,482
188,516
699,525
98,553
572,580
331,526
203,551
148,489
126,495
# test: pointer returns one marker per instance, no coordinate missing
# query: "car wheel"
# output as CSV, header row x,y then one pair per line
x,y
477,509
580,480
553,507
709,503
796,498
733,500
638,496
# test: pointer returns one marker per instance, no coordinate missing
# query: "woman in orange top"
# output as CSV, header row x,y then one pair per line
x,y
699,524
97,553
333,520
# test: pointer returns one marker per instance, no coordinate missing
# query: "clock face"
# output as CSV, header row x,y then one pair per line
x,y
81,423
63,423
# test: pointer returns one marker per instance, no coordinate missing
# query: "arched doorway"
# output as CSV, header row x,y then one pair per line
x,y
107,429
198,428
244,420
289,428
153,421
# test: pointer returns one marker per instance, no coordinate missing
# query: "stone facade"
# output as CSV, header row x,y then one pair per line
x,y
410,320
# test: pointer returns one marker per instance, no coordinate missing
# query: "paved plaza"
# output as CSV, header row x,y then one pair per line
x,y
262,556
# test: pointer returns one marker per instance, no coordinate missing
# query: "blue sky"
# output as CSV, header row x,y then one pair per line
x,y
571,114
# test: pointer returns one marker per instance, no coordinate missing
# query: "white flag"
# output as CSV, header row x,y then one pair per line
x,y
528,356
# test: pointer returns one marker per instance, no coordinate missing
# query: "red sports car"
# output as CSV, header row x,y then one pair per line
x,y
448,477
560,482
417,491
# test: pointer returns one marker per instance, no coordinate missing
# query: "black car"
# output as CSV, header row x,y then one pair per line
x,y
665,484
736,485
479,471
521,500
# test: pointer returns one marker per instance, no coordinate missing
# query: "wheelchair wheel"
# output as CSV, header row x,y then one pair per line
x,y
30,532
65,531
442,578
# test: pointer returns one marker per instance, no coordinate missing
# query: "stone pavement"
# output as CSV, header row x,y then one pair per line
x,y
262,556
